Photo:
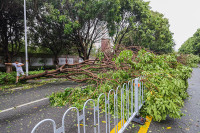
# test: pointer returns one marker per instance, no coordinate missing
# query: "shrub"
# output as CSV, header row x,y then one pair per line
x,y
10,78
189,59
7,78
193,60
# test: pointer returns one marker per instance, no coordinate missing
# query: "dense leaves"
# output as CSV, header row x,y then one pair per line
x,y
48,32
57,27
153,33
7,78
192,45
11,29
165,78
167,84
192,60
189,59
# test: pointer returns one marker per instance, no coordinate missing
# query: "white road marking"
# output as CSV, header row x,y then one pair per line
x,y
22,105
19,88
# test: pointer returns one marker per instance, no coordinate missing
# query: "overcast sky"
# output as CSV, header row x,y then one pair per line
x,y
183,15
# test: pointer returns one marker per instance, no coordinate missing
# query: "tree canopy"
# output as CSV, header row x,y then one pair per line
x,y
11,28
153,33
58,26
47,30
192,45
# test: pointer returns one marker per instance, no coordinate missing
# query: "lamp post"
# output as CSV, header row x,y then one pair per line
x,y
25,30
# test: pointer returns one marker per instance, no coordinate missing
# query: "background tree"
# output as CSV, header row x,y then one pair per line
x,y
11,29
88,21
152,32
47,30
192,45
131,13
60,26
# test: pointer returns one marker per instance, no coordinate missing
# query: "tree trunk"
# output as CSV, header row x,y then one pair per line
x,y
8,69
86,55
56,61
4,36
7,58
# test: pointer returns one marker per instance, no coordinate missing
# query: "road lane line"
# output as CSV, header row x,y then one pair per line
x,y
22,105
145,127
119,125
19,88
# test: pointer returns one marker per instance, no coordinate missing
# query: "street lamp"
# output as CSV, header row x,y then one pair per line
x,y
25,29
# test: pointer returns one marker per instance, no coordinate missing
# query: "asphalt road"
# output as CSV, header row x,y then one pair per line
x,y
18,97
23,119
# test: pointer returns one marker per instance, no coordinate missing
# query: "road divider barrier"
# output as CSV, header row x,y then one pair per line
x,y
129,103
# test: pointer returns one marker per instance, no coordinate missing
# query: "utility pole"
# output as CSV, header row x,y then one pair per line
x,y
25,30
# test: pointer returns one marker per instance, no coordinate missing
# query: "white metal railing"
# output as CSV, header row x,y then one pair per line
x,y
132,99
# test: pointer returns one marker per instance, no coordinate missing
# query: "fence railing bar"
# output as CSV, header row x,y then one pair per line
x,y
132,82
127,93
121,106
117,104
109,108
45,120
136,96
127,122
60,130
134,88
123,102
79,118
115,123
99,112
142,91
84,129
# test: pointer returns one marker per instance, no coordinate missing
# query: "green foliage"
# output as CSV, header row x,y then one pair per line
x,y
124,57
35,72
7,78
189,59
48,33
63,26
11,28
192,45
60,98
165,79
100,55
10,78
192,60
153,33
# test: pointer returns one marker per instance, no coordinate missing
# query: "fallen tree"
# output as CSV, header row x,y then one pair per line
x,y
165,79
88,68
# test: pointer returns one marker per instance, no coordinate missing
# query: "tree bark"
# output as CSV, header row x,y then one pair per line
x,y
56,61
7,56
8,60
8,69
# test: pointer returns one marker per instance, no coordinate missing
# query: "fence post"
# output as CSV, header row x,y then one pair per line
x,y
136,96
